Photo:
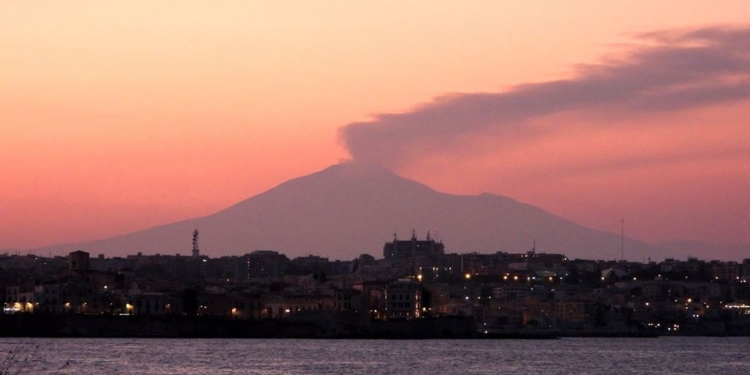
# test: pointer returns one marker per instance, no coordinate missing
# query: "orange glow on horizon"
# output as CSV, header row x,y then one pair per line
x,y
120,116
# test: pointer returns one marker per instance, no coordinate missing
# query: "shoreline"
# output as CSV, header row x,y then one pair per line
x,y
322,327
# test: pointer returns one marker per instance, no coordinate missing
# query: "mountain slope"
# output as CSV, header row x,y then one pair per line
x,y
349,209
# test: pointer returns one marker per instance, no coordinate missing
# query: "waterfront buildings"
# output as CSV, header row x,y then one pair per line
x,y
416,279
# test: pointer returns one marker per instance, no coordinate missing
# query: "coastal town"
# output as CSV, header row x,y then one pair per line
x,y
416,283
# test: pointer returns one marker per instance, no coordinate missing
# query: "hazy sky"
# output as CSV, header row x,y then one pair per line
x,y
117,116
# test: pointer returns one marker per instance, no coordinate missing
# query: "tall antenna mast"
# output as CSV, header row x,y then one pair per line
x,y
196,250
622,239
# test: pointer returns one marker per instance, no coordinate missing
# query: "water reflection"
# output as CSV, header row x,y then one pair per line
x,y
699,355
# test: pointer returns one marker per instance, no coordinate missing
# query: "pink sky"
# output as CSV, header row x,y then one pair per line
x,y
120,116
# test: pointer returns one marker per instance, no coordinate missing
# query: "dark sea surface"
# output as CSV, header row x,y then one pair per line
x,y
666,355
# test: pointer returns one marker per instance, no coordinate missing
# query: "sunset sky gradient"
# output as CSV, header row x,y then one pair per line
x,y
118,116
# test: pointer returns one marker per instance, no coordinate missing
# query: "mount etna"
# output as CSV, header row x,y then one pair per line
x,y
349,209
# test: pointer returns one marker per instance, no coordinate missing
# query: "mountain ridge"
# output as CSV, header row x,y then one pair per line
x,y
348,209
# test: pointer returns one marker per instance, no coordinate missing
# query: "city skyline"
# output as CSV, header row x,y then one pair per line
x,y
120,117
511,295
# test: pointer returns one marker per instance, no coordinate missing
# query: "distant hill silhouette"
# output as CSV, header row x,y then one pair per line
x,y
350,209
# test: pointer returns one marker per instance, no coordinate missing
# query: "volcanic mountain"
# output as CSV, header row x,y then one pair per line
x,y
350,209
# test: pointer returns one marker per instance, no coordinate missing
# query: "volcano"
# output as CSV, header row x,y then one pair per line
x,y
350,209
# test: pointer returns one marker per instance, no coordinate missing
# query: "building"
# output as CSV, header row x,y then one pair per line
x,y
403,299
413,248
285,306
266,264
78,261
511,292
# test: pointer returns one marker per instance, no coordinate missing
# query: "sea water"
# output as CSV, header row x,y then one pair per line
x,y
666,355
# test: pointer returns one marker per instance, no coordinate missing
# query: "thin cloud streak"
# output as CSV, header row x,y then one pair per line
x,y
670,71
